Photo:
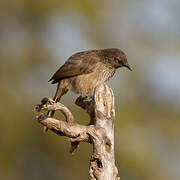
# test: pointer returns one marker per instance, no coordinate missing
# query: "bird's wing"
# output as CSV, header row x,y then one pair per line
x,y
77,64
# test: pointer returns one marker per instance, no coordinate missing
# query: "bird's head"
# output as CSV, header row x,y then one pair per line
x,y
116,58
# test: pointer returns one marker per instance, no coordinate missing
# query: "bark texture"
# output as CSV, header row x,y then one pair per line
x,y
100,131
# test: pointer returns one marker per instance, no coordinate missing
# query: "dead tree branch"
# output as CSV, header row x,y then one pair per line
x,y
100,131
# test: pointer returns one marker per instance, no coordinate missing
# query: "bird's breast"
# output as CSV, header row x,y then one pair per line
x,y
85,84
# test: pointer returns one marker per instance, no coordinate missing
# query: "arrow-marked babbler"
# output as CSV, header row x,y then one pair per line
x,y
83,71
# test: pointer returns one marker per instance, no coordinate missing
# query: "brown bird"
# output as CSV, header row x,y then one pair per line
x,y
83,71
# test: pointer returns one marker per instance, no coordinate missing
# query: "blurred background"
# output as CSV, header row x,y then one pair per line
x,y
36,37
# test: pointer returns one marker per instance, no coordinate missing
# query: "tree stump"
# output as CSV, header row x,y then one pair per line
x,y
100,131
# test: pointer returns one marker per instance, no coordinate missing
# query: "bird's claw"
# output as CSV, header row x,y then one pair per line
x,y
44,101
51,101
47,100
43,104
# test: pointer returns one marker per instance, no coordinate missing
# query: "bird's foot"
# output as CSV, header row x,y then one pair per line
x,y
43,104
84,101
47,101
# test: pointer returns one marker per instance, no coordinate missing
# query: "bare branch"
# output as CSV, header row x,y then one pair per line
x,y
100,132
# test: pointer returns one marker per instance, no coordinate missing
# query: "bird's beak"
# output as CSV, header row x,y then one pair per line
x,y
128,66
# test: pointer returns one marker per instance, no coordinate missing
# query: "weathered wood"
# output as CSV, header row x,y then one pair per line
x,y
100,131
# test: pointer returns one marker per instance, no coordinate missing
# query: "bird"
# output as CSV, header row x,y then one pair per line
x,y
84,71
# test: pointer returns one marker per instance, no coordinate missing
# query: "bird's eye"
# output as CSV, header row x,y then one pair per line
x,y
116,60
